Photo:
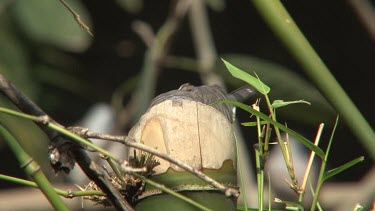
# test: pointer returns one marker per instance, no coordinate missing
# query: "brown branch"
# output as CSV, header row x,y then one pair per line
x,y
64,152
131,143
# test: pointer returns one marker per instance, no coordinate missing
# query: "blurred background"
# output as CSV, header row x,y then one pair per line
x,y
143,48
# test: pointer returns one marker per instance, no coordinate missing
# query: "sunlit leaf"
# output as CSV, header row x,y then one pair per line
x,y
286,84
244,76
281,103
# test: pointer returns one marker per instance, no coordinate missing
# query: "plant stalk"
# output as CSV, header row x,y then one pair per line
x,y
282,24
32,169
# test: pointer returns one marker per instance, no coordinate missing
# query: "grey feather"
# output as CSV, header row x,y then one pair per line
x,y
207,95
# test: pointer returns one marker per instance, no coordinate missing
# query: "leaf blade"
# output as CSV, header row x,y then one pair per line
x,y
282,103
246,77
342,168
300,138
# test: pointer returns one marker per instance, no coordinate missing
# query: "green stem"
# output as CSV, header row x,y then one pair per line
x,y
239,167
81,140
66,194
62,130
115,169
260,179
309,164
286,153
32,169
284,27
322,169
318,186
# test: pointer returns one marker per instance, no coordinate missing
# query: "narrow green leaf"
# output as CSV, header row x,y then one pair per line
x,y
244,76
251,124
342,168
281,103
275,14
300,138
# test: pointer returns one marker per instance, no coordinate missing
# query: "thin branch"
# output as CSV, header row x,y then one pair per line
x,y
77,17
311,159
102,179
67,194
65,148
81,134
131,143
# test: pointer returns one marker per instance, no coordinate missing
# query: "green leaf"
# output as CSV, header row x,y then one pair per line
x,y
342,168
286,84
300,138
281,103
250,124
244,76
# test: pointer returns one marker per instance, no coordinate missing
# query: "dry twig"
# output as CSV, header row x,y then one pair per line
x,y
77,17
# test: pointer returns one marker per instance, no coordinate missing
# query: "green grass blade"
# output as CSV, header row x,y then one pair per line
x,y
260,178
239,169
269,193
282,103
284,27
67,194
252,124
342,168
244,76
300,138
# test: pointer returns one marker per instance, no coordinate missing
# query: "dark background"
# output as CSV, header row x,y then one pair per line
x,y
331,26
116,54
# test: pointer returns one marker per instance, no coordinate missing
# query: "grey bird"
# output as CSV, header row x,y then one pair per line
x,y
208,95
